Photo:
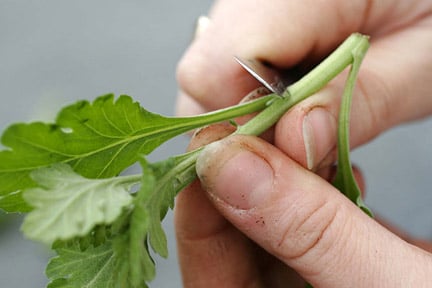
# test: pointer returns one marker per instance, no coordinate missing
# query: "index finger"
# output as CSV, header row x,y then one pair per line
x,y
283,33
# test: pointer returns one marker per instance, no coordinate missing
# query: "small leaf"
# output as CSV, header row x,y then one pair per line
x,y
160,184
172,175
68,205
91,268
132,249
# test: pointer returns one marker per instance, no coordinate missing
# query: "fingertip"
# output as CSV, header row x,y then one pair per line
x,y
208,134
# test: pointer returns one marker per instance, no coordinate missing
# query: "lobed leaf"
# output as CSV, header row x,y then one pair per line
x,y
98,140
135,264
90,268
67,205
172,176
160,184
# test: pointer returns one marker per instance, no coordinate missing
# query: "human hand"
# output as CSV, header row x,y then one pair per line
x,y
254,191
393,86
214,252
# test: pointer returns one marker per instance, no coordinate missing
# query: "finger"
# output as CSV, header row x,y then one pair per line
x,y
301,219
211,251
208,134
421,243
284,33
307,133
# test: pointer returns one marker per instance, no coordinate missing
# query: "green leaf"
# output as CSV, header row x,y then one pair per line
x,y
90,268
172,176
160,184
345,180
136,265
99,140
115,263
67,205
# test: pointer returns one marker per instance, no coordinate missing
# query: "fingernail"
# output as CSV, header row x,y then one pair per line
x,y
234,175
319,135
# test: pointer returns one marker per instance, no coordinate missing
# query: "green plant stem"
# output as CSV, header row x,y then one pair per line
x,y
311,83
128,179
344,162
226,113
305,87
344,179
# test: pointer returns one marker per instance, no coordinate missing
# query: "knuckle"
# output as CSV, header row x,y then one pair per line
x,y
312,232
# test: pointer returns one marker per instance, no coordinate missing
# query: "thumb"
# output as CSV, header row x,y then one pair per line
x,y
302,220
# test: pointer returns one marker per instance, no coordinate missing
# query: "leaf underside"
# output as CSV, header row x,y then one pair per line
x,y
67,205
74,267
126,253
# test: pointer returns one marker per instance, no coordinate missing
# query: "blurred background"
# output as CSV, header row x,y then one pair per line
x,y
53,53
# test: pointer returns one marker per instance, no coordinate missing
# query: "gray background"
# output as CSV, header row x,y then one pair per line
x,y
55,52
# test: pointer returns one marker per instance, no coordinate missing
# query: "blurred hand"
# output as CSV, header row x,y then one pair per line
x,y
259,192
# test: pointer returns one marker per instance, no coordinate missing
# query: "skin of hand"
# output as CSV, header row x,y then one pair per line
x,y
244,227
